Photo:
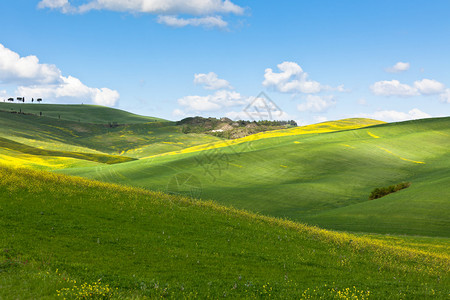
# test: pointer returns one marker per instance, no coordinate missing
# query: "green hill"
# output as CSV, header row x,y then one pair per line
x,y
76,239
321,174
322,178
61,135
94,114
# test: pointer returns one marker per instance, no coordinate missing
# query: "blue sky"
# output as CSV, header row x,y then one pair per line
x,y
317,60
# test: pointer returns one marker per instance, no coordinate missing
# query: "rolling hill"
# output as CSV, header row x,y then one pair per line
x,y
322,175
66,237
93,114
135,234
135,137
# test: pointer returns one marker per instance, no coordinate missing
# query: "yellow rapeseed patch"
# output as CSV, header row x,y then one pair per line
x,y
339,125
402,158
373,135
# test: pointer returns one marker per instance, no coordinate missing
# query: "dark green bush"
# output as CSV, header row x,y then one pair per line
x,y
381,192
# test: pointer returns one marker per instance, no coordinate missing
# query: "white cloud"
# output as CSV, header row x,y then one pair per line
x,y
223,100
445,96
174,21
71,88
14,68
166,9
211,81
395,116
215,102
46,81
429,86
62,5
197,7
291,79
399,67
316,103
393,88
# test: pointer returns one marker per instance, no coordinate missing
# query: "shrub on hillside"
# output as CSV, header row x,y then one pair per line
x,y
381,192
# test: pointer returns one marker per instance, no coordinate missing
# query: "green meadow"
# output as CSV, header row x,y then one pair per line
x,y
323,179
98,203
93,114
61,235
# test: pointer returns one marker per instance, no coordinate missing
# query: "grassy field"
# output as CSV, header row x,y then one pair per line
x,y
65,237
74,238
322,175
135,138
93,114
100,158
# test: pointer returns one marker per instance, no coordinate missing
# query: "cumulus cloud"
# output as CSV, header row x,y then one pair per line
x,y
429,86
316,103
214,21
224,101
198,7
166,9
399,67
14,68
396,116
290,79
71,88
63,5
34,79
395,88
211,81
215,102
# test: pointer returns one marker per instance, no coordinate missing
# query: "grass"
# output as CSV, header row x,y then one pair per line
x,y
100,158
93,114
132,140
61,233
322,175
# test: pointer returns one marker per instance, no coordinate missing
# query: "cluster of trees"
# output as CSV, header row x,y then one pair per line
x,y
277,123
381,192
227,128
22,99
214,121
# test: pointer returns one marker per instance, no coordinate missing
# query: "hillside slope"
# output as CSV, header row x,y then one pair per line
x,y
322,178
64,236
93,114
53,134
